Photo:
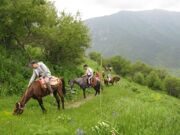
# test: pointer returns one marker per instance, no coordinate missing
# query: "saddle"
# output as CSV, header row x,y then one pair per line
x,y
53,81
94,81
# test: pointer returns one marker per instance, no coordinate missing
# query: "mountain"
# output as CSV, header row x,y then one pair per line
x,y
151,36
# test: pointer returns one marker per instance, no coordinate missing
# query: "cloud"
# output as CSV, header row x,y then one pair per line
x,y
93,8
87,8
140,4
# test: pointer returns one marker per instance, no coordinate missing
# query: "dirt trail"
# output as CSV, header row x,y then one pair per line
x,y
77,104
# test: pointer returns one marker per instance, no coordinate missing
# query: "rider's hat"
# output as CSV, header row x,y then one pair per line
x,y
33,62
85,65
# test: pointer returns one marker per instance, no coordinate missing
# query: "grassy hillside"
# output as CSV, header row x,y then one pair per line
x,y
125,109
149,36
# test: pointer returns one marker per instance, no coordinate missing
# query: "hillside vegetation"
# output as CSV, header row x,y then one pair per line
x,y
126,108
154,78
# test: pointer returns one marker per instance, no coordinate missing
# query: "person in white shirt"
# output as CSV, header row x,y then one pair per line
x,y
88,73
41,70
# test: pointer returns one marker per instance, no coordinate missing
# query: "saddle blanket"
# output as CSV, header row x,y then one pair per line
x,y
53,81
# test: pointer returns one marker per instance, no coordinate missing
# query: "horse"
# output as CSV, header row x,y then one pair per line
x,y
37,92
82,82
115,79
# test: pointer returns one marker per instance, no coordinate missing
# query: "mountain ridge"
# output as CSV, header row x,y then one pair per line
x,y
151,36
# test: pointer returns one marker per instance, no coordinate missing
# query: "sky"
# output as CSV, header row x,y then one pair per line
x,y
96,8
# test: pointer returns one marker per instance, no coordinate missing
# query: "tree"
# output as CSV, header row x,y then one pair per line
x,y
120,65
95,56
172,86
153,81
20,20
67,40
139,78
140,67
34,23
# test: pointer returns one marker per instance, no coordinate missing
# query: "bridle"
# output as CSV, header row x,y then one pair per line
x,y
19,106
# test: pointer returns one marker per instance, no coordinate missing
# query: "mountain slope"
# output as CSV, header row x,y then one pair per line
x,y
151,36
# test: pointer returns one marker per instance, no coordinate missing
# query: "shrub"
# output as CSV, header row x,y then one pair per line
x,y
120,65
153,81
172,86
139,78
95,56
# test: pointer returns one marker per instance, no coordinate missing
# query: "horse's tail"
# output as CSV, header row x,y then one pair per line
x,y
63,86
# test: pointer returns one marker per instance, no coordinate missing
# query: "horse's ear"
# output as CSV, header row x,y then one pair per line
x,y
17,105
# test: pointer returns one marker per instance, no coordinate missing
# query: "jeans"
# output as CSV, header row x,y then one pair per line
x,y
47,80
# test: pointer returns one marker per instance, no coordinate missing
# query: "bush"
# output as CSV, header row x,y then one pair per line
x,y
172,86
140,67
120,65
153,81
139,78
95,56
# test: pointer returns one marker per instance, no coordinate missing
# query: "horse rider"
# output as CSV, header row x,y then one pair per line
x,y
97,75
109,76
41,70
88,73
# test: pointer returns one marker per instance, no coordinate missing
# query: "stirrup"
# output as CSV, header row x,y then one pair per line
x,y
51,94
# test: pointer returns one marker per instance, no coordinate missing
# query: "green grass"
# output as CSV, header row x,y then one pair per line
x,y
124,109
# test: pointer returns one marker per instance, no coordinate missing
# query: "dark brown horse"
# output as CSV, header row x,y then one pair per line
x,y
115,79
82,82
36,91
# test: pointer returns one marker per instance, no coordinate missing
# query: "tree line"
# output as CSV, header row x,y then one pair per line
x,y
156,79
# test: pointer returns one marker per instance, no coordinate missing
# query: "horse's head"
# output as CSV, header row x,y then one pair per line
x,y
71,84
116,78
19,108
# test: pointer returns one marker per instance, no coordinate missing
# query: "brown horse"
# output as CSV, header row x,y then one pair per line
x,y
115,79
36,91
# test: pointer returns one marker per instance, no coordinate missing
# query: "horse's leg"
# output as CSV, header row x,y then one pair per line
x,y
101,87
57,100
98,88
60,93
40,101
96,91
62,101
84,93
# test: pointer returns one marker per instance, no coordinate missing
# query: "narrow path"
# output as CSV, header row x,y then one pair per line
x,y
78,103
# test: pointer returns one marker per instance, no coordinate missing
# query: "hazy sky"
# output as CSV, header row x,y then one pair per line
x,y
94,8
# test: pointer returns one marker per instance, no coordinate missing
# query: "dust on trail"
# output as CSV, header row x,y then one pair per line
x,y
77,104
